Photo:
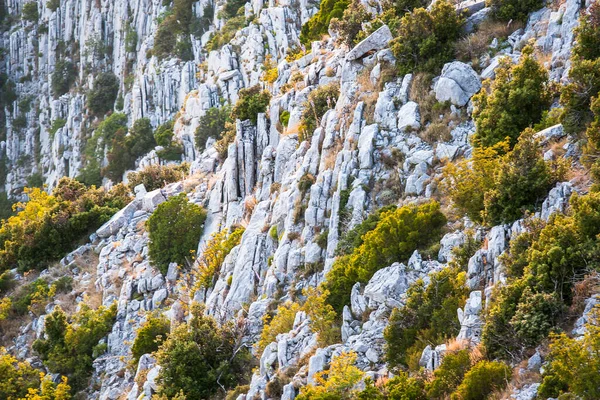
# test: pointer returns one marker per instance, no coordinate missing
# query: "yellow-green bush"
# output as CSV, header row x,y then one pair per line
x,y
149,336
215,251
397,235
281,322
483,379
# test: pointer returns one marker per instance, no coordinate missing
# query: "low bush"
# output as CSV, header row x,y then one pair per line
x,y
425,40
515,100
572,365
30,12
174,230
63,77
213,256
163,135
429,316
201,357
50,225
350,26
337,382
251,102
319,101
157,176
398,233
281,322
449,375
318,24
507,10
499,186
70,347
212,124
101,98
483,379
149,337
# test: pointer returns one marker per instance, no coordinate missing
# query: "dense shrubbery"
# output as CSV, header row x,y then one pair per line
x,y
319,101
428,316
172,37
200,357
494,186
70,347
317,26
353,238
281,322
50,225
101,98
507,10
525,310
515,100
20,381
425,40
482,380
212,124
157,176
573,365
149,336
175,229
337,382
398,233
251,102
63,77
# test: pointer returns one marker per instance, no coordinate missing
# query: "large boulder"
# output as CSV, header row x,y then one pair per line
x,y
457,84
375,41
409,116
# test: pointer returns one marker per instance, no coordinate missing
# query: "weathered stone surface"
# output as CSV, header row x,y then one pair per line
x,y
375,41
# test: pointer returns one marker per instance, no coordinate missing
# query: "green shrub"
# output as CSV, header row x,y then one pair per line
x,y
227,32
483,379
175,229
349,27
212,124
587,46
50,225
157,176
149,337
69,346
284,118
53,5
515,100
200,357
36,294
282,322
493,187
398,233
507,10
56,125
319,101
449,375
426,39
429,316
16,377
318,24
30,11
63,77
101,98
232,8
573,365
353,238
7,282
163,135
535,315
403,387
521,181
251,102
576,97
165,39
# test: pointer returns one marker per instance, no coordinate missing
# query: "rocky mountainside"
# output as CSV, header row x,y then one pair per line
x,y
297,180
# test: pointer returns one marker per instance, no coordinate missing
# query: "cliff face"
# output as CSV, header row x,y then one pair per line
x,y
363,155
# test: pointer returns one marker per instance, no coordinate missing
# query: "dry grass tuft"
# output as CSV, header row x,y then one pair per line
x,y
473,46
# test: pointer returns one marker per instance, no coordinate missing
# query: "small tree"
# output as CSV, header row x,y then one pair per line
x,y
251,102
63,77
212,124
200,357
175,228
101,98
425,39
514,101
30,12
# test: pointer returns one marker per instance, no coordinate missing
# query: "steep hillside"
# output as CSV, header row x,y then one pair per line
x,y
288,199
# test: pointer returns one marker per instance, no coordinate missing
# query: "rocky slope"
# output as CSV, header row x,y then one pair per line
x,y
256,185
